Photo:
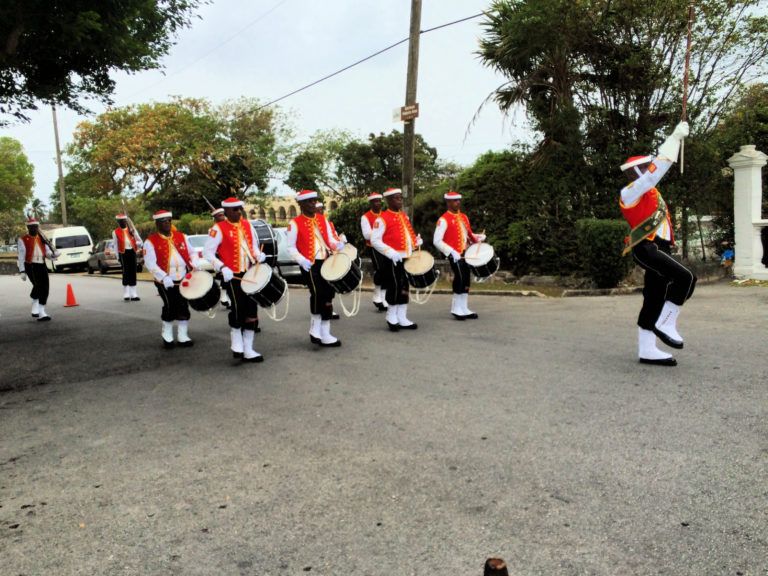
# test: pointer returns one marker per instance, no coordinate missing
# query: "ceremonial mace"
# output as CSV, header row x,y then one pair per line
x,y
685,81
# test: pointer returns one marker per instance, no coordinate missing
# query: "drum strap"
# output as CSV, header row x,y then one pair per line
x,y
319,236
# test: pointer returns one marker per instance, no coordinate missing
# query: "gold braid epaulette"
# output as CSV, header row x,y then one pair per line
x,y
646,227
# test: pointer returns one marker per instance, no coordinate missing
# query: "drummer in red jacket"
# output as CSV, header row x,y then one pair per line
x,y
232,248
168,255
394,238
310,241
452,236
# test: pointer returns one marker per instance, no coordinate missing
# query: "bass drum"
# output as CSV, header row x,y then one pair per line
x,y
482,260
199,289
263,285
420,269
341,273
266,240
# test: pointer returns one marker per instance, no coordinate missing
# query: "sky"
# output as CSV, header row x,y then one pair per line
x,y
266,49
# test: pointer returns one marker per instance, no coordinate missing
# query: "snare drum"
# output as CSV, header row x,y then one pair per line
x,y
199,289
263,285
266,240
481,260
341,273
420,269
351,251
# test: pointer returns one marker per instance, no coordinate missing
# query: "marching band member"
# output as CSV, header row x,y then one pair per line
x,y
32,254
668,284
310,241
367,221
320,209
168,255
128,242
452,236
394,238
218,216
232,248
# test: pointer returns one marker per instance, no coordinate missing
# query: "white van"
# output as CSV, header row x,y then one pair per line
x,y
74,244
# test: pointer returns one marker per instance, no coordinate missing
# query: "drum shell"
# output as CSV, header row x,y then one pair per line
x,y
486,264
420,276
200,299
268,286
266,241
346,282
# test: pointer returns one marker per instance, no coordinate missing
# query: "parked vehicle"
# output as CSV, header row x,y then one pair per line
x,y
198,241
104,258
74,245
288,267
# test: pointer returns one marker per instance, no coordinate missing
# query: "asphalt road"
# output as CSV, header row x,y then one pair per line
x,y
532,434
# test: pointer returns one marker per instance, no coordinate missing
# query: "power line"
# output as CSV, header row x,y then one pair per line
x,y
324,78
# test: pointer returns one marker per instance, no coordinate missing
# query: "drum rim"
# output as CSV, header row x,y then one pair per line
x,y
327,261
257,267
417,257
197,273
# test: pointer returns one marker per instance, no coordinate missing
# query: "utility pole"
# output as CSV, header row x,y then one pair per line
x,y
409,126
61,171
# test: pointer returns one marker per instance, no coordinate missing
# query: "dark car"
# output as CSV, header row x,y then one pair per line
x,y
104,258
288,267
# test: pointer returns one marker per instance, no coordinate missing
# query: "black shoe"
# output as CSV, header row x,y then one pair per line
x,y
659,362
409,326
458,316
314,339
135,299
256,330
168,345
44,319
237,355
331,344
187,344
382,307
335,316
471,316
671,342
127,299
393,327
253,360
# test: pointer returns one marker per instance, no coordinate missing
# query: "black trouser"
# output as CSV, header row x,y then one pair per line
x,y
320,292
175,306
394,281
38,276
244,312
128,262
665,279
378,260
462,276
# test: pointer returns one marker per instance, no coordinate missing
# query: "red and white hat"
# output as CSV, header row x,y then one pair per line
x,y
162,214
374,196
319,205
217,211
636,161
32,222
452,195
231,202
392,192
305,195
121,217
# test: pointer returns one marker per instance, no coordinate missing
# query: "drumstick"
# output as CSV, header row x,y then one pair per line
x,y
478,244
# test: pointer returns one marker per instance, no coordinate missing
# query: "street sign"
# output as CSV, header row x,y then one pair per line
x,y
405,113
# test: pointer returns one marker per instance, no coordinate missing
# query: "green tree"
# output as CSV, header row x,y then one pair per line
x,y
62,52
315,164
16,175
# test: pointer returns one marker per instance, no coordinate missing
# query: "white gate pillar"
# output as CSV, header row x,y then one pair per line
x,y
747,203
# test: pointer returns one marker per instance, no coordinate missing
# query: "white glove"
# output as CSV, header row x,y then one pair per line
x,y
340,246
343,238
23,276
305,263
168,282
261,257
681,131
395,256
419,241
226,274
671,147
455,256
56,254
479,237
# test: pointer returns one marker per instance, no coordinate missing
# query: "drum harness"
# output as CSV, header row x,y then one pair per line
x,y
272,310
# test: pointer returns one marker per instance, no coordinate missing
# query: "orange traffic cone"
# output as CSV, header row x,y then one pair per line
x,y
70,297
